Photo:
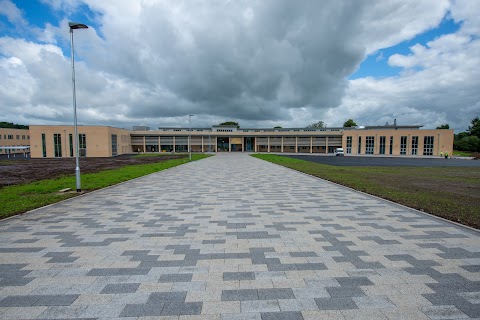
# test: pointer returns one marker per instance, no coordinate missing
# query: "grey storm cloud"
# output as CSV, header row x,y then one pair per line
x,y
259,62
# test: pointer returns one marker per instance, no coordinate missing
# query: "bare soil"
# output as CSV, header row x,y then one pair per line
x,y
19,170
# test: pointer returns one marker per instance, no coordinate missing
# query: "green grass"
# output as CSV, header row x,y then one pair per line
x,y
21,198
462,153
449,192
142,155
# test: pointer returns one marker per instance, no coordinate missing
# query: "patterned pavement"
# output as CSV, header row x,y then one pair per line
x,y
234,237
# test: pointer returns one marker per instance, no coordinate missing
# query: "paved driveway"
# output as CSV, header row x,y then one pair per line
x,y
233,237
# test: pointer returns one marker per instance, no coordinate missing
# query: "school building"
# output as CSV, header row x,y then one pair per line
x,y
105,141
14,142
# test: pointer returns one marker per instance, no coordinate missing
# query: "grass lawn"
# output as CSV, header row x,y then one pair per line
x,y
449,192
21,198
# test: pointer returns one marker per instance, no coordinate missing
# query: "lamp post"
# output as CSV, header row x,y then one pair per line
x,y
74,25
189,137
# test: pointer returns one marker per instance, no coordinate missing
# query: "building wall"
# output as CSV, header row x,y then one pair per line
x,y
98,141
14,137
442,141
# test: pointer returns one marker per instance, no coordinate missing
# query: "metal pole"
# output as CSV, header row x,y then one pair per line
x,y
189,137
77,164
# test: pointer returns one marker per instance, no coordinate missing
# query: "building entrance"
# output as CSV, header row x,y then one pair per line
x,y
249,143
223,144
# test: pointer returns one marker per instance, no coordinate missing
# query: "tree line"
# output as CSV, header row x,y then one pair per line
x,y
468,140
11,125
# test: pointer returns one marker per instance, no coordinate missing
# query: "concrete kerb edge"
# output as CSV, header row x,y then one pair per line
x,y
84,194
382,199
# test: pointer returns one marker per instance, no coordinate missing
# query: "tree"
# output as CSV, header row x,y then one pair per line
x,y
474,129
349,123
230,123
319,124
12,125
277,127
444,126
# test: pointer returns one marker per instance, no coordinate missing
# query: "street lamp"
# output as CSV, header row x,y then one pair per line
x,y
74,25
189,137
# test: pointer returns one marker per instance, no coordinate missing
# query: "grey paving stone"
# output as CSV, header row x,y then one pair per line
x,y
235,230
239,295
287,315
120,288
335,303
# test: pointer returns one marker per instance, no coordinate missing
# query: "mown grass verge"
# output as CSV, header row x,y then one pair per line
x,y
21,198
449,192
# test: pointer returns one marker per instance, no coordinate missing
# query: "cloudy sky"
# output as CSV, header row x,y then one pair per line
x,y
259,62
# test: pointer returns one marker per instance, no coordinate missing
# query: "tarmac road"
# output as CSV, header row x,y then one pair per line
x,y
387,161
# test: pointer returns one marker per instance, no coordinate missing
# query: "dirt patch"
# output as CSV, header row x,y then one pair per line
x,y
19,171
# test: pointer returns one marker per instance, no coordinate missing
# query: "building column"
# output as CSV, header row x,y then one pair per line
x,y
229,144
202,144
326,144
144,145
256,141
243,144
159,145
311,144
282,144
173,141
296,144
268,144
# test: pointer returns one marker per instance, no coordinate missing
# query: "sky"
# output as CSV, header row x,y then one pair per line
x,y
261,63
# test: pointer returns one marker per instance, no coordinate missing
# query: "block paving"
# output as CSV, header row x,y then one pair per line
x,y
234,237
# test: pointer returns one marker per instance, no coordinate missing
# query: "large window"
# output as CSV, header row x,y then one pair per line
x,y
44,146
403,144
82,144
359,145
391,145
415,145
369,144
57,145
114,144
382,144
349,144
70,141
428,146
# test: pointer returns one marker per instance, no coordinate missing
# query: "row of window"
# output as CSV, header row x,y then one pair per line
x,y
10,137
57,145
82,145
370,145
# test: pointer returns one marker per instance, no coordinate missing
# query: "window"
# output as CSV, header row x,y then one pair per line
x,y
414,145
17,137
10,137
70,141
382,144
428,146
44,146
349,144
0,137
57,145
82,144
359,145
114,144
369,144
23,137
391,145
403,145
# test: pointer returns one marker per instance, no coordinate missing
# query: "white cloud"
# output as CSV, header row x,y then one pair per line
x,y
258,62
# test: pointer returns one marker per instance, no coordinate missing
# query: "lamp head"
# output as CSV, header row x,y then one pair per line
x,y
75,25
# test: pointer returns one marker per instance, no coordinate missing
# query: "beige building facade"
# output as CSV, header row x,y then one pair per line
x,y
94,141
14,141
104,141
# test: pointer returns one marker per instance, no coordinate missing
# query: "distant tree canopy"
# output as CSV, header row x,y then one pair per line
x,y
230,123
319,124
444,126
469,140
349,123
277,127
12,125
